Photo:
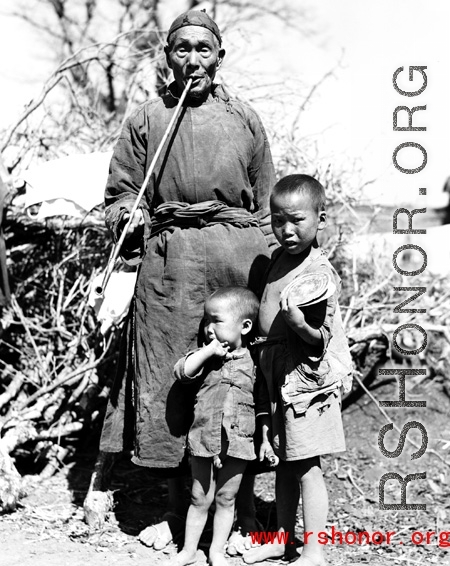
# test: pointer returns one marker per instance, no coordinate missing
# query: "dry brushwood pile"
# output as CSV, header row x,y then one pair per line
x,y
372,290
55,365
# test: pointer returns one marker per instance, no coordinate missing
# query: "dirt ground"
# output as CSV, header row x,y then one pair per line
x,y
48,528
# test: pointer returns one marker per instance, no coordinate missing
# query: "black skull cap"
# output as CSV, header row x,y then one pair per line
x,y
195,18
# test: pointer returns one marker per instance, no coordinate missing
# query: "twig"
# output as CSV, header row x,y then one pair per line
x,y
63,380
57,431
12,389
31,108
60,296
73,291
352,480
355,291
25,324
378,287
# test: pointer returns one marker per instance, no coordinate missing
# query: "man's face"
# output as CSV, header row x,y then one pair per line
x,y
295,221
195,54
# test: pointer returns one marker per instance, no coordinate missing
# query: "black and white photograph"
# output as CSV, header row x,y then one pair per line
x,y
224,282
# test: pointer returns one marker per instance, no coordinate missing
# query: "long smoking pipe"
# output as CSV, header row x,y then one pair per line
x,y
100,289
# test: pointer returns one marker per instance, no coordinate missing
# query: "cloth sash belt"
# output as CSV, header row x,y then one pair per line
x,y
199,215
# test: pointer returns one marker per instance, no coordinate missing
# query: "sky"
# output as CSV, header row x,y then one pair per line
x,y
351,113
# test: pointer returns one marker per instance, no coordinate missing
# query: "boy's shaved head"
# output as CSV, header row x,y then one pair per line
x,y
301,184
241,301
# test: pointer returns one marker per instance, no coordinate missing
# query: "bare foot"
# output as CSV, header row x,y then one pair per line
x,y
153,533
160,535
156,536
273,550
217,462
313,560
217,559
183,558
239,543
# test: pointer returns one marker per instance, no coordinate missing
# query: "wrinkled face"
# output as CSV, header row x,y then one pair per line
x,y
222,323
195,53
295,221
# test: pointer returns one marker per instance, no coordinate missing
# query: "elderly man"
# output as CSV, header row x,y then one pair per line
x,y
195,230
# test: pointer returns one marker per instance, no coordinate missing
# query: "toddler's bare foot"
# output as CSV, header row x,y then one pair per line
x,y
238,543
272,550
217,559
183,558
217,462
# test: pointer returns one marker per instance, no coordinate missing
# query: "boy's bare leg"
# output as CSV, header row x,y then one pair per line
x,y
229,478
315,510
160,535
203,489
287,492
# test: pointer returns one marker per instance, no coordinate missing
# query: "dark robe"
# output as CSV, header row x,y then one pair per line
x,y
219,152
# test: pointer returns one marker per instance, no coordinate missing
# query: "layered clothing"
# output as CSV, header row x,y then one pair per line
x,y
218,153
300,385
224,413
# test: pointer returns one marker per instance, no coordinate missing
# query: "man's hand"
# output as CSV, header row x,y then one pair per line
x,y
266,451
137,224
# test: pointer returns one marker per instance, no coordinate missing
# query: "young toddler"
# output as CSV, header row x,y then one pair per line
x,y
220,440
304,358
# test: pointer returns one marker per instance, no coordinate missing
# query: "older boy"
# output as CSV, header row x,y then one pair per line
x,y
305,359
